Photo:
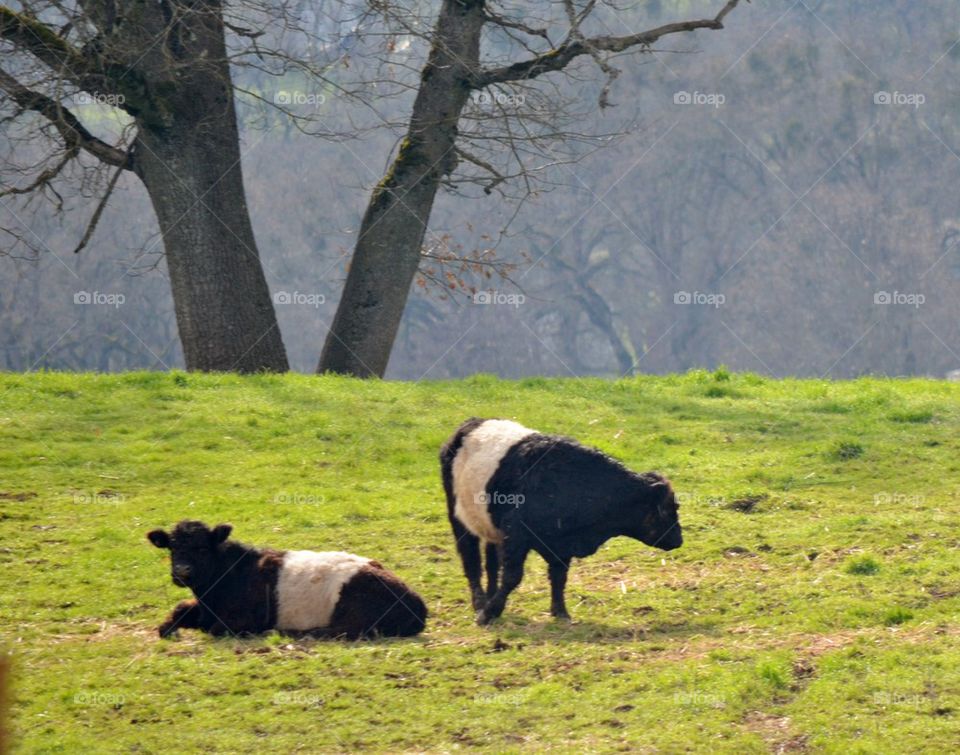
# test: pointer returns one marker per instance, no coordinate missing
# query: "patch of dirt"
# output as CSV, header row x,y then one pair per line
x,y
799,743
749,638
939,593
431,548
26,496
255,650
105,631
802,670
187,651
747,504
776,732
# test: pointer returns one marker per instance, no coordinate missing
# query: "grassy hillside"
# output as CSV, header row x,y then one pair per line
x,y
814,605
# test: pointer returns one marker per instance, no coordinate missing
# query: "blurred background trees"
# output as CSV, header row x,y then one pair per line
x,y
801,199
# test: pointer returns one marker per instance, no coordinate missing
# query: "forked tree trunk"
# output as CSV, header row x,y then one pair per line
x,y
391,234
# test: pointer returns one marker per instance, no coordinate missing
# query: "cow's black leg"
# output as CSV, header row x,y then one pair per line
x,y
468,546
513,558
557,569
493,569
188,614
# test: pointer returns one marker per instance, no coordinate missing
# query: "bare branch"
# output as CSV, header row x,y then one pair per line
x,y
74,133
576,20
30,35
92,225
498,177
560,57
506,23
44,178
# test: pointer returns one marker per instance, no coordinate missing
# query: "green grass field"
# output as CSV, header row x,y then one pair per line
x,y
813,607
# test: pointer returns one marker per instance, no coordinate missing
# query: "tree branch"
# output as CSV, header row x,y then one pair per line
x,y
44,178
95,219
38,39
498,178
507,23
560,57
74,133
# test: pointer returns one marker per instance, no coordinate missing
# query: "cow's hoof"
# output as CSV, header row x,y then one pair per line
x,y
484,618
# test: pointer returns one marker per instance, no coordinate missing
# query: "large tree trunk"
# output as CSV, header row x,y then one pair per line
x,y
224,312
388,247
188,156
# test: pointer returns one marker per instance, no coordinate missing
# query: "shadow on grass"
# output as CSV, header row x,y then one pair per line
x,y
586,631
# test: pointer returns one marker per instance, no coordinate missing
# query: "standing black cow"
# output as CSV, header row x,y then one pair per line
x,y
519,490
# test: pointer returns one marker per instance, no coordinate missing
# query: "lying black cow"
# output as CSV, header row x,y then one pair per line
x,y
244,590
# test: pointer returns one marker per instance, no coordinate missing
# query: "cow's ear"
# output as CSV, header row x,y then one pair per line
x,y
660,489
159,538
660,493
220,533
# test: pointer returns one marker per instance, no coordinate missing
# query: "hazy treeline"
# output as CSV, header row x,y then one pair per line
x,y
782,200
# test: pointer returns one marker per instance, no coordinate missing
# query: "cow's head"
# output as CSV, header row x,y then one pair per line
x,y
659,514
196,558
